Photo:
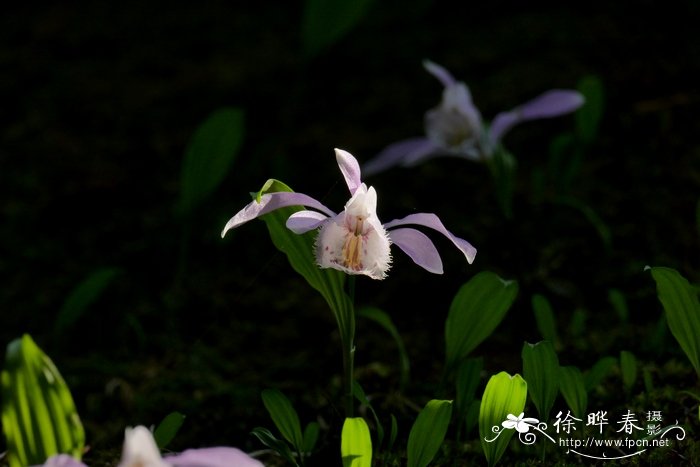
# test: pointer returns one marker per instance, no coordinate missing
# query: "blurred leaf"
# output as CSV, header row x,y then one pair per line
x,y
168,428
82,296
540,367
680,301
384,320
648,380
573,388
544,316
394,432
299,250
476,310
591,216
39,417
428,432
277,445
209,155
310,438
619,304
324,22
356,443
504,395
598,371
589,114
284,416
628,367
503,168
577,326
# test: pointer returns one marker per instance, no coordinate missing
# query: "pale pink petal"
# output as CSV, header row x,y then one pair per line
x,y
270,202
444,76
62,460
549,104
418,247
432,221
350,169
404,153
304,221
213,457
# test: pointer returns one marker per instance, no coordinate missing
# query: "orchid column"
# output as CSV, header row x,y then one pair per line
x,y
352,242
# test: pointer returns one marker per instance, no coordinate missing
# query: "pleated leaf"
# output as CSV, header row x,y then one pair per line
x,y
356,443
39,417
476,310
326,21
168,428
628,368
541,371
428,432
504,395
544,317
83,296
598,371
682,307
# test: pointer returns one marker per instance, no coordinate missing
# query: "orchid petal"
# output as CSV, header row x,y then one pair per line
x,y
270,202
418,247
405,153
550,104
304,221
140,449
62,460
444,76
213,457
432,221
350,169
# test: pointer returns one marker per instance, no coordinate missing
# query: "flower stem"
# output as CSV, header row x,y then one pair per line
x,y
348,343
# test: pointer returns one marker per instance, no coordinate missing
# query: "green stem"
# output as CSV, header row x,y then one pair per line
x,y
348,343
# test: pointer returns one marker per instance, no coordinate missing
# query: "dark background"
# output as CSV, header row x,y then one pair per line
x,y
99,101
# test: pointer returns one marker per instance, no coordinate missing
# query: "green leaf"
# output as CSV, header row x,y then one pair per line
x,y
324,22
356,443
573,388
359,394
428,432
589,114
39,417
540,368
466,381
209,155
284,416
310,437
628,367
384,320
277,445
299,250
598,371
83,296
394,432
168,428
544,316
680,301
476,310
619,304
504,395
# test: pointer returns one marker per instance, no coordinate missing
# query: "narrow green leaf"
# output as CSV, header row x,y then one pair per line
x,y
279,446
428,432
573,388
682,307
540,369
168,428
325,21
83,296
284,416
384,320
598,371
476,310
544,317
209,155
588,115
359,394
300,253
394,432
628,368
39,417
356,443
504,395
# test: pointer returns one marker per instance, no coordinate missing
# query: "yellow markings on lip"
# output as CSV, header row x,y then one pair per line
x,y
352,249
